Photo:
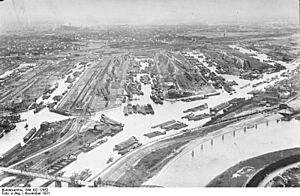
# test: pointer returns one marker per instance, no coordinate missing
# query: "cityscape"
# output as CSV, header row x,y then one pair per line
x,y
150,105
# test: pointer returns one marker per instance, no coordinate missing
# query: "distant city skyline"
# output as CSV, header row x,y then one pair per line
x,y
20,13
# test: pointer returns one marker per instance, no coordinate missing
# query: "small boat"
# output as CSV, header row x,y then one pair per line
x,y
1,134
39,108
110,160
9,128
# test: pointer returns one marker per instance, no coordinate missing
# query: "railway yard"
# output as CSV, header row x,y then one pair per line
x,y
138,97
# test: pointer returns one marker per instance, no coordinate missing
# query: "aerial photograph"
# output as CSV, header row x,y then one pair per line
x,y
149,93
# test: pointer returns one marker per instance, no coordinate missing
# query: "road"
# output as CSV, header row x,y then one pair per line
x,y
44,176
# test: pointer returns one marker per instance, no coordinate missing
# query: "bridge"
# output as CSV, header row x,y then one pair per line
x,y
72,182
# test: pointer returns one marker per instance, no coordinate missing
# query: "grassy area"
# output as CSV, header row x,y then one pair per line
x,y
237,175
149,165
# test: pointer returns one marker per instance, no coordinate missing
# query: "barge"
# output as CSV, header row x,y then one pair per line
x,y
29,135
197,108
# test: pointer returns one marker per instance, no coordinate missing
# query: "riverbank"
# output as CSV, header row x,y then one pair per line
x,y
219,150
144,164
149,165
240,173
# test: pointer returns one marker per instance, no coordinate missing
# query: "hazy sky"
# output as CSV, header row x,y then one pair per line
x,y
95,12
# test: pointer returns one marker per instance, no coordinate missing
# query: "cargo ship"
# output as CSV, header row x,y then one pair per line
x,y
178,125
64,113
130,109
110,160
114,131
134,109
38,109
10,127
127,145
155,134
56,85
85,174
220,107
88,147
188,116
70,86
128,149
29,135
156,100
1,133
132,140
257,84
125,110
245,86
65,92
212,94
197,108
105,119
194,98
46,96
124,99
199,117
150,108
6,126
143,110
164,124
138,108
11,117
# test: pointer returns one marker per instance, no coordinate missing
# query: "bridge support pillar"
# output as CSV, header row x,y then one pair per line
x,y
57,183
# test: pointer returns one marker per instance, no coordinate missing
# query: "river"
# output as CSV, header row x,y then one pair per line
x,y
198,165
211,159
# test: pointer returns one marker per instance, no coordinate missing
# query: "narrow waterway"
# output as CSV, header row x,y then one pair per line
x,y
16,135
21,69
35,119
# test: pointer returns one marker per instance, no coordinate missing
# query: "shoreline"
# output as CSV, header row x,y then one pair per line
x,y
143,176
212,135
257,164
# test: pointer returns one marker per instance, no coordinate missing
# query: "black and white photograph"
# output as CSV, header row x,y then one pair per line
x,y
151,94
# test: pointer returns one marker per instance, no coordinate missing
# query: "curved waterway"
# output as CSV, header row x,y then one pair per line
x,y
197,166
34,120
